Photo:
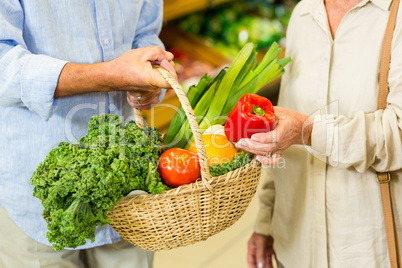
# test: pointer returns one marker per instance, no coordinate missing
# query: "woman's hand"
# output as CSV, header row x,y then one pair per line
x,y
259,251
292,128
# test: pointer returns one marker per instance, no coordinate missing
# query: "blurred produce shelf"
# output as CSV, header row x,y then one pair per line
x,y
175,38
230,26
174,9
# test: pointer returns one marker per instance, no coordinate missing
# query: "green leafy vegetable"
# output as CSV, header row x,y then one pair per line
x,y
194,94
238,161
79,183
200,97
244,76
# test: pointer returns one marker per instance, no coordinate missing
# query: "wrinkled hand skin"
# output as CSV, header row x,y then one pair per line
x,y
133,70
259,251
292,128
151,97
147,80
148,99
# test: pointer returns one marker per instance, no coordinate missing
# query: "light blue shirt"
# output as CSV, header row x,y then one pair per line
x,y
37,38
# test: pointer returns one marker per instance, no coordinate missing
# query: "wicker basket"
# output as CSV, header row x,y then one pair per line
x,y
190,213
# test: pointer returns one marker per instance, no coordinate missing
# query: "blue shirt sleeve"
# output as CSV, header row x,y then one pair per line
x,y
27,80
149,25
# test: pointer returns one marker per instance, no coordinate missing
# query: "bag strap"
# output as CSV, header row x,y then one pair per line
x,y
384,178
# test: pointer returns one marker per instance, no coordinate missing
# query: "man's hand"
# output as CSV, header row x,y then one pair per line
x,y
143,100
259,251
131,72
146,94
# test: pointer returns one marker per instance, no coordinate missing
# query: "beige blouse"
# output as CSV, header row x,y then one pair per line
x,y
322,203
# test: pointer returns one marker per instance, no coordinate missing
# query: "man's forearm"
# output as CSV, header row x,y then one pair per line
x,y
132,71
76,79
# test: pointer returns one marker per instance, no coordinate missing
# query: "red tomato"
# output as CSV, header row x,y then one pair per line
x,y
178,166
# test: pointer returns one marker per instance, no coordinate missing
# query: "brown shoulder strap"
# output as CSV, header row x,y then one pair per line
x,y
386,56
384,178
389,220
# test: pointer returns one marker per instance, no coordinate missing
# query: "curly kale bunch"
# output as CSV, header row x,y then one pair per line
x,y
79,183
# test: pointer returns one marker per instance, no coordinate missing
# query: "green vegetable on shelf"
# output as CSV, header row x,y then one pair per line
x,y
79,183
230,26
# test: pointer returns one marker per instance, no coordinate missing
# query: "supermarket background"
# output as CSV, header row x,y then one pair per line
x,y
204,36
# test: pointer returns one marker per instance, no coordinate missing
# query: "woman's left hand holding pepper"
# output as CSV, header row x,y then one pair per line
x,y
292,128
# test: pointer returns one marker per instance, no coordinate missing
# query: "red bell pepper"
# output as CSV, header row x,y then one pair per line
x,y
252,114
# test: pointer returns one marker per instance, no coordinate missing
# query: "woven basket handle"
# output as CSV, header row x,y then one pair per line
x,y
139,119
205,175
